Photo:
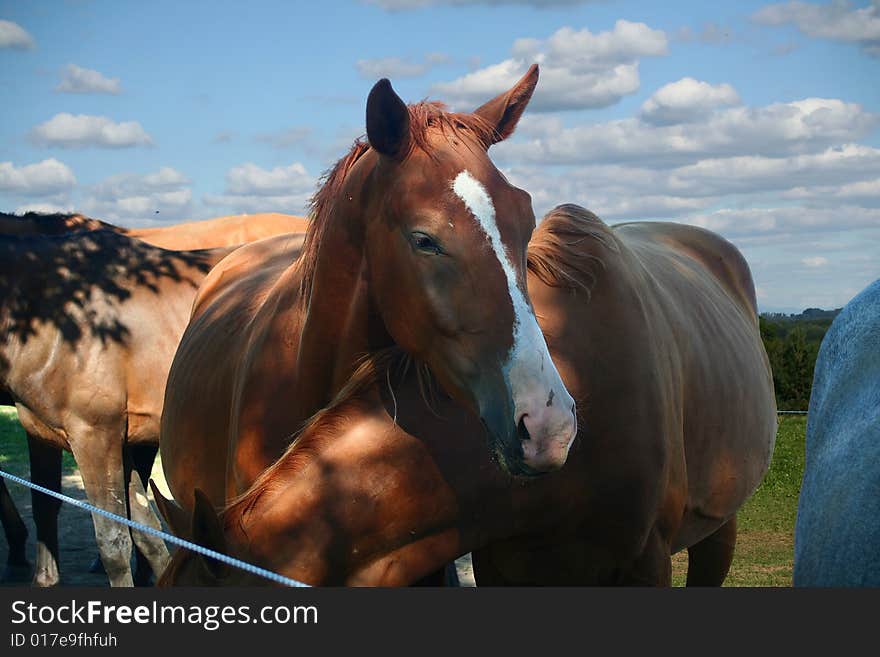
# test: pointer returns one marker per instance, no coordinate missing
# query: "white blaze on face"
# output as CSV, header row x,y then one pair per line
x,y
535,384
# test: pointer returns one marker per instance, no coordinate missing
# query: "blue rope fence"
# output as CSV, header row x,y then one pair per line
x,y
176,540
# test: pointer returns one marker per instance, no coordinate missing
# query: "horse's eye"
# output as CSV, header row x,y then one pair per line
x,y
425,244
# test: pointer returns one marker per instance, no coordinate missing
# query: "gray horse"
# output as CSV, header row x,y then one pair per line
x,y
837,535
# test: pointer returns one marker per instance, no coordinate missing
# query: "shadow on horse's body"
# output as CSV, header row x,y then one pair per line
x,y
837,534
653,328
90,322
226,231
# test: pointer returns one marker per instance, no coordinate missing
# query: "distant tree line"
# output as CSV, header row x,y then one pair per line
x,y
792,344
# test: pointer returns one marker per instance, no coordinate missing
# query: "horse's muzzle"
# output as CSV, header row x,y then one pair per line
x,y
538,443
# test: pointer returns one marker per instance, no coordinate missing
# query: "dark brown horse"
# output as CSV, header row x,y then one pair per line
x,y
89,323
653,327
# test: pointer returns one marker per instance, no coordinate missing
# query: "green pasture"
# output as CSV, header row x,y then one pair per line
x,y
765,545
14,449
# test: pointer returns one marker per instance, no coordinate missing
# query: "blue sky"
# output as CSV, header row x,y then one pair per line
x,y
760,120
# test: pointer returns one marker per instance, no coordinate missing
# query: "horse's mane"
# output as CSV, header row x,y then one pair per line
x,y
557,254
425,118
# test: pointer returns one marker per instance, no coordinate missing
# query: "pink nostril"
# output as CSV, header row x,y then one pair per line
x,y
521,428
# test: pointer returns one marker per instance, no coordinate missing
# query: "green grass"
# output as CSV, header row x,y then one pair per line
x,y
14,449
765,540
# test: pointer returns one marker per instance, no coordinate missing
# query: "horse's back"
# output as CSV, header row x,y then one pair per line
x,y
837,535
221,231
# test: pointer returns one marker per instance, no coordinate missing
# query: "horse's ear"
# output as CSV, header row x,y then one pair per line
x,y
207,531
176,518
387,121
504,110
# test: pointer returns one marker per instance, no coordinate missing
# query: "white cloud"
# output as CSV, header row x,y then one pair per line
x,y
775,130
827,179
250,188
815,261
40,179
13,35
614,193
786,221
755,173
686,100
166,179
82,130
579,69
838,20
79,80
252,179
133,199
865,193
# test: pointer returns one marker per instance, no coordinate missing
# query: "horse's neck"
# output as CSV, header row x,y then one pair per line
x,y
282,522
340,322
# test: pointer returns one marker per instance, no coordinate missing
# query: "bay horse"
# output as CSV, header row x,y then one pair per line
x,y
224,231
416,240
837,533
89,323
654,330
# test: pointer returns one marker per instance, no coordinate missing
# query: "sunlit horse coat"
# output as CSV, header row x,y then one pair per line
x,y
837,536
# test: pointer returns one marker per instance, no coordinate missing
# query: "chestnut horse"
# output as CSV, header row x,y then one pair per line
x,y
210,233
89,323
416,240
653,327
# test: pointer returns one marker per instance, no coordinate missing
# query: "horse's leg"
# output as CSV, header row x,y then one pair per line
x,y
151,553
137,459
46,472
18,568
653,567
98,454
709,560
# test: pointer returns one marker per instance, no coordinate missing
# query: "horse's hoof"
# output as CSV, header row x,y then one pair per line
x,y
97,567
44,580
17,573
